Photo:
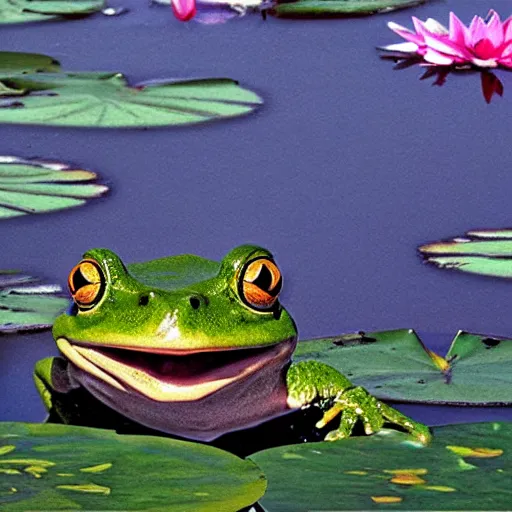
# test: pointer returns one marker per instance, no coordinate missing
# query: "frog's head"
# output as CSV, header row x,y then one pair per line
x,y
179,343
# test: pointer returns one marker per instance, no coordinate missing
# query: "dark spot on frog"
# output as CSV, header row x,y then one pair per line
x,y
194,302
277,313
491,342
421,381
144,300
377,387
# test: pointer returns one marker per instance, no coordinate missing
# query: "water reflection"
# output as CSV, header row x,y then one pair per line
x,y
490,83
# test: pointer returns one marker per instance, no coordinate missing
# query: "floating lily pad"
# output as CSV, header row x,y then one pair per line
x,y
12,63
22,11
59,467
106,100
467,467
396,366
339,7
486,252
37,186
26,304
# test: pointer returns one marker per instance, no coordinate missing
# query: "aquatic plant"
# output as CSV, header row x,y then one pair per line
x,y
484,44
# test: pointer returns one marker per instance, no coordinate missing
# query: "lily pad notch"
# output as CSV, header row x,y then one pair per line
x,y
486,252
28,304
29,186
106,100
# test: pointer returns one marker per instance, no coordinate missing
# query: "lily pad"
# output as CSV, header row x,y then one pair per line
x,y
486,252
12,63
396,366
22,11
26,304
38,186
297,8
59,467
106,100
467,467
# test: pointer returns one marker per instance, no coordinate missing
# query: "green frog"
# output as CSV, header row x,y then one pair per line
x,y
195,348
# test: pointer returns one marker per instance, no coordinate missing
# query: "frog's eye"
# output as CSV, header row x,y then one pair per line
x,y
260,283
86,283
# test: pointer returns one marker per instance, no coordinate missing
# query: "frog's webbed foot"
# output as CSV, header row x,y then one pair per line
x,y
356,404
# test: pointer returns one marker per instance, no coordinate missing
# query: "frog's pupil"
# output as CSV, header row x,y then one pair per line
x,y
78,281
264,279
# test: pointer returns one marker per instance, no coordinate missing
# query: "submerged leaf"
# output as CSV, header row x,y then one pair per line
x,y
105,100
486,252
26,304
38,186
93,469
328,476
395,365
339,7
22,11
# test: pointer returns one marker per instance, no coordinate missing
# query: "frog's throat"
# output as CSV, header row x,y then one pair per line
x,y
127,370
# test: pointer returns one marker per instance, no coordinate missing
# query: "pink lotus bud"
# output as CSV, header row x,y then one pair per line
x,y
184,10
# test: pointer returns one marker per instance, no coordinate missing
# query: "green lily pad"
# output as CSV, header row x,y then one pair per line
x,y
467,467
396,366
486,252
23,11
12,63
26,304
38,186
106,100
59,467
311,8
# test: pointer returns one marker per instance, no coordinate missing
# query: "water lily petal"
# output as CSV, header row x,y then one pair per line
x,y
184,10
419,26
478,30
448,47
506,62
507,29
440,59
435,27
405,33
401,47
485,50
495,29
459,33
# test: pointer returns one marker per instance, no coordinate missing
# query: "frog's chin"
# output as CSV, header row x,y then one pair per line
x,y
171,377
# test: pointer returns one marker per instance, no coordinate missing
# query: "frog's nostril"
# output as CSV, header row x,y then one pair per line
x,y
195,302
144,300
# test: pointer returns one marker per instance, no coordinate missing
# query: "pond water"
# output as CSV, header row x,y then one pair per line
x,y
344,171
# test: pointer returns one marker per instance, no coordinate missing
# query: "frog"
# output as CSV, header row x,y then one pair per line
x,y
195,348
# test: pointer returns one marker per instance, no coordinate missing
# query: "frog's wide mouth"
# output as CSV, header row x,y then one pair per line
x,y
171,377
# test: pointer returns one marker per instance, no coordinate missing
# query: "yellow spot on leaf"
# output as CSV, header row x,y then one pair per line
x,y
28,462
386,499
36,471
12,490
409,471
362,473
407,479
8,448
10,471
439,361
201,494
482,453
288,455
97,469
439,488
65,474
92,488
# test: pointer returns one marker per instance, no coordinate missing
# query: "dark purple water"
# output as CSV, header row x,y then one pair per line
x,y
344,171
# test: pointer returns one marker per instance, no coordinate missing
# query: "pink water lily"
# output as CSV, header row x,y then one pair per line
x,y
184,10
484,44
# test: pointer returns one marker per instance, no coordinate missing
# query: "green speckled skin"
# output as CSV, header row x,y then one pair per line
x,y
188,305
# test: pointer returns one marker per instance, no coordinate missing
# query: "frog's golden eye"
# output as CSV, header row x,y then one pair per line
x,y
260,283
86,283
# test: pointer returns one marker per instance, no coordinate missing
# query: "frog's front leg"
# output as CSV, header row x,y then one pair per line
x,y
312,381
